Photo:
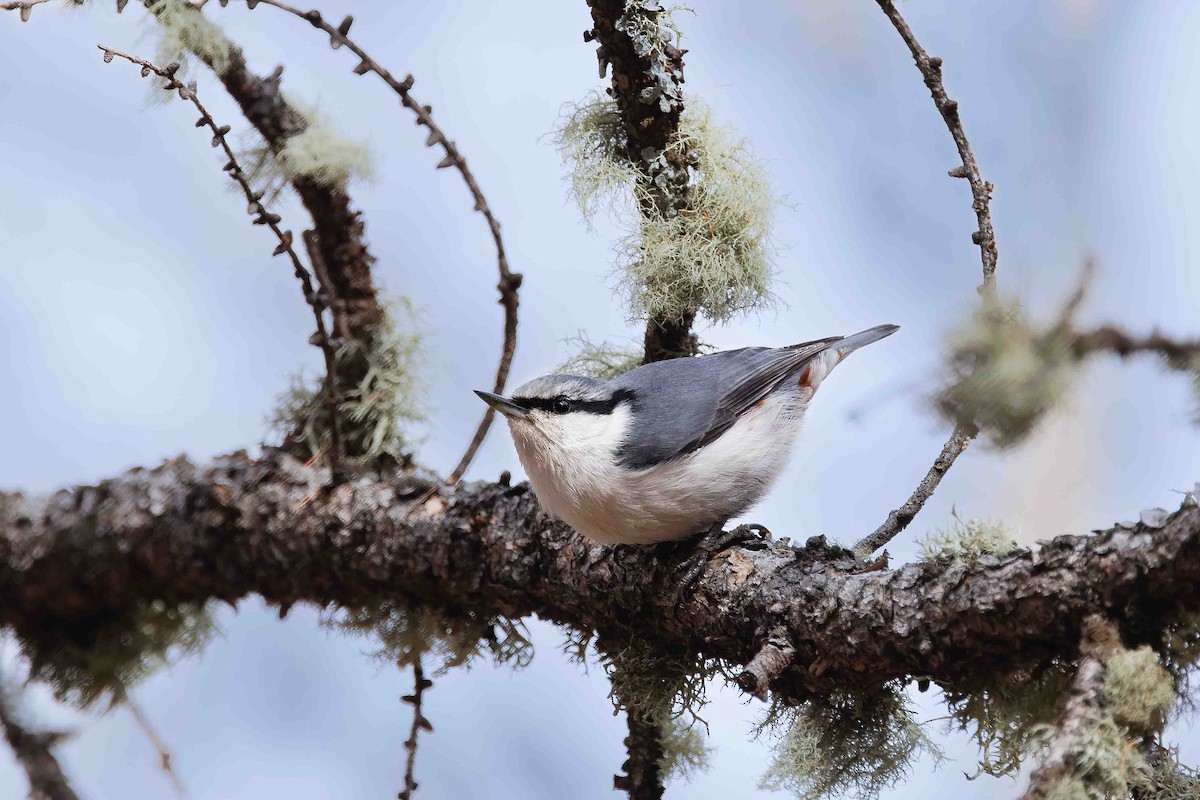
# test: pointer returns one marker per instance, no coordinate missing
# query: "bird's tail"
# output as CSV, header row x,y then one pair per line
x,y
849,344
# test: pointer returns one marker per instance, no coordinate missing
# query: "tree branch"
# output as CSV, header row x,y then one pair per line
x,y
642,779
33,750
985,236
419,723
1111,339
510,281
180,533
1083,698
261,217
647,84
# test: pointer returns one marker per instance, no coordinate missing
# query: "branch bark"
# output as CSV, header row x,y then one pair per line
x,y
180,533
34,752
647,84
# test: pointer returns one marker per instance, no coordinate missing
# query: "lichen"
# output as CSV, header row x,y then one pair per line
x,y
1003,714
652,29
599,360
845,744
1166,778
185,30
1190,366
1138,690
378,412
714,256
661,688
967,540
107,656
686,751
1005,373
1103,761
403,631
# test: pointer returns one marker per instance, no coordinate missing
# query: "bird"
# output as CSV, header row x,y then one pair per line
x,y
670,449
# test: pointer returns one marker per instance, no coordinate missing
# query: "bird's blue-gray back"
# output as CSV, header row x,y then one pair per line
x,y
695,400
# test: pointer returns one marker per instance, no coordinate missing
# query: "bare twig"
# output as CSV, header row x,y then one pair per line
x,y
1083,696
898,519
263,217
419,723
981,190
34,751
165,760
775,656
24,7
1111,339
509,282
985,236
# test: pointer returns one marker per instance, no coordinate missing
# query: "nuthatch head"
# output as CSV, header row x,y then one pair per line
x,y
668,449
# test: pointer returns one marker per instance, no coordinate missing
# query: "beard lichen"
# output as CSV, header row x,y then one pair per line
x,y
376,412
849,743
967,540
1005,373
405,631
184,30
714,256
599,360
1003,715
105,657
1138,690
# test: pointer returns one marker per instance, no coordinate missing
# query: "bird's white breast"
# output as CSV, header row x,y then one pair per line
x,y
577,479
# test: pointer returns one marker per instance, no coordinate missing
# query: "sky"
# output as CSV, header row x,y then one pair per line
x,y
141,316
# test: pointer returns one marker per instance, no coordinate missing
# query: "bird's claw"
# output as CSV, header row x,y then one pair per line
x,y
711,542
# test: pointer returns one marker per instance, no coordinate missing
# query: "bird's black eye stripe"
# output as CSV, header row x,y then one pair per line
x,y
565,405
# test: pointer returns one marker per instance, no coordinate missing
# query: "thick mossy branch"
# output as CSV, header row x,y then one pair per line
x,y
100,658
845,744
715,254
599,360
967,540
407,631
1005,373
379,410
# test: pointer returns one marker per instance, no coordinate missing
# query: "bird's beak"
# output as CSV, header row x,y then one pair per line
x,y
502,404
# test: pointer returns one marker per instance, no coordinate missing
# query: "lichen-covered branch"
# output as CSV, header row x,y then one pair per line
x,y
34,752
181,534
647,85
1111,339
1083,700
642,778
510,281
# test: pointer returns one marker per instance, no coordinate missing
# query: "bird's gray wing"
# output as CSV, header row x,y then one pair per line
x,y
764,376
688,403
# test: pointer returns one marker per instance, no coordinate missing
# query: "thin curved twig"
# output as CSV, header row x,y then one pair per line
x,y
263,217
419,723
510,281
985,236
23,6
165,760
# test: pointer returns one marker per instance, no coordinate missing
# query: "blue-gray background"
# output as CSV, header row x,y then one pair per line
x,y
141,317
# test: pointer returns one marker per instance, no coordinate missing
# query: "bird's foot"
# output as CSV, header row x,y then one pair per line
x,y
708,544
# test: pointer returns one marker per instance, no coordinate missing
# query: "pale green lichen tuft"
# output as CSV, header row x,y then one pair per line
x,y
376,413
185,30
1006,374
320,153
1165,778
714,256
1190,366
686,751
1003,715
846,744
662,689
1138,690
406,631
967,540
1104,762
599,360
110,657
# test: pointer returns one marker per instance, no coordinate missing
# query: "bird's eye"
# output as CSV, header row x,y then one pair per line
x,y
561,405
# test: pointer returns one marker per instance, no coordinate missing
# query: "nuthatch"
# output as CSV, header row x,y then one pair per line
x,y
669,449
